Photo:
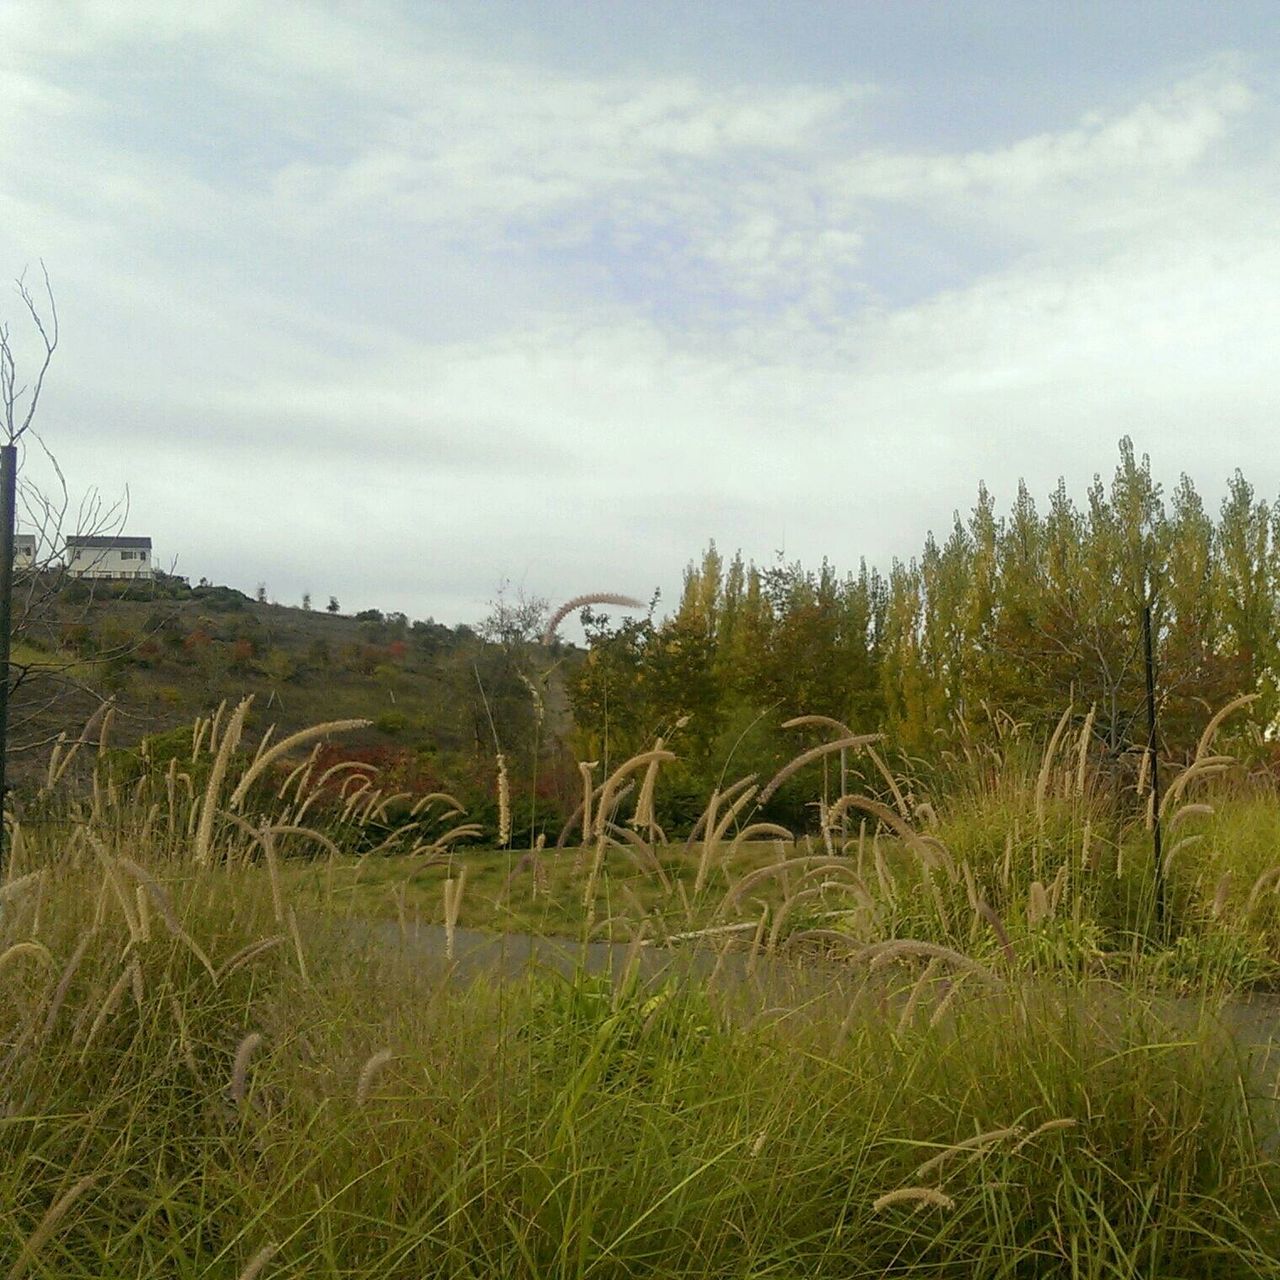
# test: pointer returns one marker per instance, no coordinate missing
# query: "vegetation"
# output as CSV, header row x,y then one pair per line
x,y
163,651
898,989
1003,621
201,1077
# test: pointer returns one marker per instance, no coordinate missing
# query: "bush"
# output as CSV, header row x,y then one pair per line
x,y
393,723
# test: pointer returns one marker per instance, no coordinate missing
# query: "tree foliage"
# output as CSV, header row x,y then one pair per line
x,y
1012,615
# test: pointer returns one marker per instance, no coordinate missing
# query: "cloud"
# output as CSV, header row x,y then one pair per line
x,y
346,299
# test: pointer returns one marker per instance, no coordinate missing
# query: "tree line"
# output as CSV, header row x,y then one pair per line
x,y
1007,618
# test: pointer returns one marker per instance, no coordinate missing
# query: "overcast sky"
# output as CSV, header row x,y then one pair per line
x,y
396,301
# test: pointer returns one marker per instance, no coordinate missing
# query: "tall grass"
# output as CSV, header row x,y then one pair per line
x,y
380,1118
918,1068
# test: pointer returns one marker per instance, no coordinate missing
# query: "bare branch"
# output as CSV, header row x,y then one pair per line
x,y
48,332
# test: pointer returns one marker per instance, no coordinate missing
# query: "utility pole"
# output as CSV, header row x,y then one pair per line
x,y
17,411
8,522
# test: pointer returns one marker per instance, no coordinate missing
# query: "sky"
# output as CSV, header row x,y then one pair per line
x,y
400,302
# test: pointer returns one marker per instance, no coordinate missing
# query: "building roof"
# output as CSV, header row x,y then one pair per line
x,y
94,543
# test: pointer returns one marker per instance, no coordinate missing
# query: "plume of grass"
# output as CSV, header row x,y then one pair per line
x,y
48,1225
1049,1126
1221,894
931,852
644,818
880,954
36,950
238,1088
284,746
1038,908
890,781
168,914
708,817
184,1035
453,890
299,776
631,842
55,755
504,803
583,602
64,983
1046,764
808,757
589,792
1219,718
992,917
246,954
16,887
209,807
916,1197
821,722
978,1143
753,879
1198,770
423,803
108,1005
268,830
60,761
1264,881
369,1074
215,722
716,829
296,934
465,831
198,730
253,1268
609,790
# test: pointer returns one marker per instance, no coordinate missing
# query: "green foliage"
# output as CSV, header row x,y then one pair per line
x,y
1005,620
394,724
221,599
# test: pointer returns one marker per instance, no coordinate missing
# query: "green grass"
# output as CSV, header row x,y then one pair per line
x,y
964,1047
505,893
555,1127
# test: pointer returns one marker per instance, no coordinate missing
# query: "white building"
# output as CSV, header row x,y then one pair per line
x,y
24,550
107,557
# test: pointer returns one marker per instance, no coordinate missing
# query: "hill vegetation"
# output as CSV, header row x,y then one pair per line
x,y
163,652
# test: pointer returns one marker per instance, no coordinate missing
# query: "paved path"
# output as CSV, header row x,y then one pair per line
x,y
1254,1021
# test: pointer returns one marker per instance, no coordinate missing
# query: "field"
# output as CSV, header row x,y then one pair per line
x,y
972,1040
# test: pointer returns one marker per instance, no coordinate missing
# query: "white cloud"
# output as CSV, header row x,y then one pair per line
x,y
435,317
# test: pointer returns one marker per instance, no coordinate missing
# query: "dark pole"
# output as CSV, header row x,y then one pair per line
x,y
1153,762
8,518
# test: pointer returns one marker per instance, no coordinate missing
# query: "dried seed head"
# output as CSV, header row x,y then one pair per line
x,y
369,1073
240,1071
53,1215
258,1261
917,1196
504,802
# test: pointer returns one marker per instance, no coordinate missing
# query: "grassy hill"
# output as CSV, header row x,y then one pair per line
x,y
441,700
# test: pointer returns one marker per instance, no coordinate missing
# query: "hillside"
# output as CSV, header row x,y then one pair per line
x,y
166,652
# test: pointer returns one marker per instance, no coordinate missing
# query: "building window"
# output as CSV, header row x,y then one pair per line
x,y
127,555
